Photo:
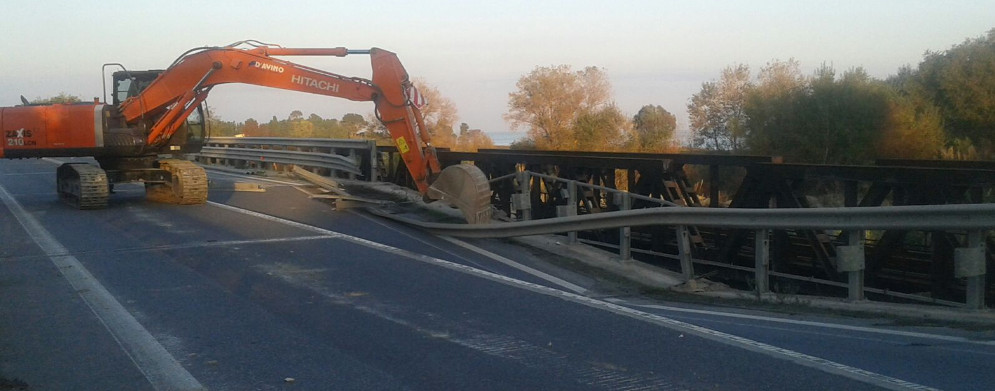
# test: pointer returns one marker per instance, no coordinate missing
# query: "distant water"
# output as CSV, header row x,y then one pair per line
x,y
505,138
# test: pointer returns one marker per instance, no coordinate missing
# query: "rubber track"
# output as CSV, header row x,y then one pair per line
x,y
189,185
93,187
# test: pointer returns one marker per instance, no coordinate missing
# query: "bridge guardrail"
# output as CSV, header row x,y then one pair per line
x,y
339,158
969,261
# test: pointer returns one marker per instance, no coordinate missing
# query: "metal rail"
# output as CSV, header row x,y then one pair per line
x,y
918,217
306,143
970,263
341,157
310,159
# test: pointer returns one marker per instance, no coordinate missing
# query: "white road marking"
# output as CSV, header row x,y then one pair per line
x,y
688,328
385,225
158,366
555,280
810,323
215,172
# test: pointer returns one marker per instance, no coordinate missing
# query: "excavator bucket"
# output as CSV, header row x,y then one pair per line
x,y
467,188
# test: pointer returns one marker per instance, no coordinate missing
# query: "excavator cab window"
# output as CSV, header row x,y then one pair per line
x,y
130,83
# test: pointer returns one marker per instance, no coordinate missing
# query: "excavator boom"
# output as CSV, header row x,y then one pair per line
x,y
187,82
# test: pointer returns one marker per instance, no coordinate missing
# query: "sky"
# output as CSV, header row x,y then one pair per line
x,y
654,52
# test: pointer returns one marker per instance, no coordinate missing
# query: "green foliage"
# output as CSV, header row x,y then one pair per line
x,y
718,121
961,83
827,119
62,98
351,126
601,130
550,100
654,129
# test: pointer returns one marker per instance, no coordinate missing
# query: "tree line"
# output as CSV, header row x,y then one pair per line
x,y
943,108
440,117
562,109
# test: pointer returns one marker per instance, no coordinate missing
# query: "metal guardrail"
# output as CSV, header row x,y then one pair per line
x,y
970,261
306,143
342,156
349,158
918,217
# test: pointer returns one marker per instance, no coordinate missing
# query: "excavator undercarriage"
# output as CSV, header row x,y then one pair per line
x,y
175,181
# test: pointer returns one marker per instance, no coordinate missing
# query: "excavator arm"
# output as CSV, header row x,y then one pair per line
x,y
183,86
171,97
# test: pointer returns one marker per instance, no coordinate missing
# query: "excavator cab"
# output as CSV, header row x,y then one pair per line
x,y
189,138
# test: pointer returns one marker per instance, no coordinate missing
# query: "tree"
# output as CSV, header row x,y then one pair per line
x,y
771,108
549,100
605,129
218,127
961,83
353,123
251,128
471,140
830,119
439,115
718,121
654,129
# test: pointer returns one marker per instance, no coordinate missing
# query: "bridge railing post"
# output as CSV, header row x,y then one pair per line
x,y
850,259
572,207
625,233
969,263
684,252
522,202
762,260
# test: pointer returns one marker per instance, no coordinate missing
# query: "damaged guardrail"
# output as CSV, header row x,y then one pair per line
x,y
969,262
343,158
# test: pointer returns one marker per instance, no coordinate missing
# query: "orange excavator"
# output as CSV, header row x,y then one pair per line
x,y
156,114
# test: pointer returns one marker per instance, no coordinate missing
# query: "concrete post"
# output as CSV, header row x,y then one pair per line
x,y
684,252
374,174
625,233
969,262
572,208
850,259
523,200
762,260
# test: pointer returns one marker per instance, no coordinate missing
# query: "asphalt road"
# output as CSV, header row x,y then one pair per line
x,y
272,290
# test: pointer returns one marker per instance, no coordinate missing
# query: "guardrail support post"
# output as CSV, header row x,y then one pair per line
x,y
850,259
969,262
684,252
762,260
572,207
625,233
522,201
374,166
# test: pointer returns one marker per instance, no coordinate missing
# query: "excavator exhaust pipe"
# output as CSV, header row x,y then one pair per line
x,y
467,188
